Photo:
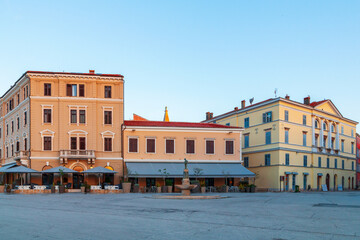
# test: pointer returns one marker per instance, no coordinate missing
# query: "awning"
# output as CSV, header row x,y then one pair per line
x,y
305,173
294,173
99,170
320,174
57,170
7,166
287,173
176,170
20,169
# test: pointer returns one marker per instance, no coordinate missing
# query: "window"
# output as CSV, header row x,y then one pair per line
x,y
304,120
304,138
352,166
352,148
7,129
107,117
12,149
352,132
286,135
12,126
81,90
246,162
47,143
286,115
25,118
342,145
7,152
227,124
133,145
343,164
73,116
287,159
324,141
210,146
190,146
27,91
47,89
108,144
170,146
18,98
267,160
319,162
107,92
246,141
268,137
342,129
17,146
229,147
18,123
332,128
25,144
267,117
0,132
82,116
73,142
47,115
316,140
328,162
317,124
305,161
150,145
246,122
324,126
335,163
71,90
82,143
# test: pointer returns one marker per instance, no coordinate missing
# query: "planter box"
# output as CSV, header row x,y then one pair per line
x,y
203,189
83,189
126,187
62,189
2,188
136,188
169,189
158,189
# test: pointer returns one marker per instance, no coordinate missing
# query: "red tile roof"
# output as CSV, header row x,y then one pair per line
x,y
314,104
70,73
174,124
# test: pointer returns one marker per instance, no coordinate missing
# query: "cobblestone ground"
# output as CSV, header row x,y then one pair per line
x,y
331,215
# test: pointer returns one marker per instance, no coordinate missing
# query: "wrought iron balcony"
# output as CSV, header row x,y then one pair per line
x,y
77,153
21,155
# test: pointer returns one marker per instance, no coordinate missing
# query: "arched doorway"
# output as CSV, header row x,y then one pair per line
x,y
352,183
109,178
335,182
349,183
328,181
47,178
343,182
78,178
319,182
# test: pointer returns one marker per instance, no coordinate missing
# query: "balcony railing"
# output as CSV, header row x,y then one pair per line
x,y
21,155
77,153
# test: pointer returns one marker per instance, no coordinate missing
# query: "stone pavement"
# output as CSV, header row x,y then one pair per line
x,y
330,215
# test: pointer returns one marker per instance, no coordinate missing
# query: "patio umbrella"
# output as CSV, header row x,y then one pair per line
x,y
20,169
59,170
4,167
99,170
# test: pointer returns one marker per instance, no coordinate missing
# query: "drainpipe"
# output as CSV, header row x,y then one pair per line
x,y
123,127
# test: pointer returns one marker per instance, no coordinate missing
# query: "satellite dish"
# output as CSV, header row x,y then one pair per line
x,y
251,100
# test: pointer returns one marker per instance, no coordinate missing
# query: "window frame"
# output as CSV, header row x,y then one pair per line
x,y
186,146
44,143
47,115
137,144
107,91
111,139
146,145
166,146
206,146
47,89
233,146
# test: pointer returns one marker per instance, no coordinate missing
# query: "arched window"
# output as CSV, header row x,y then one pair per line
x,y
333,128
324,126
78,168
110,168
317,125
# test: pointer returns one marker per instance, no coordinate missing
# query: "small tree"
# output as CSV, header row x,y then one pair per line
x,y
61,176
198,172
164,173
226,175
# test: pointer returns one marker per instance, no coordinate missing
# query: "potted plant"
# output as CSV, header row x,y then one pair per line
x,y
169,183
126,185
82,186
8,188
136,188
158,188
53,190
2,187
252,188
203,186
241,187
247,188
165,174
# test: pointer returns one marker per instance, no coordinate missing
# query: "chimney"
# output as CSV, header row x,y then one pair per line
x,y
307,100
209,115
287,97
243,104
92,71
236,108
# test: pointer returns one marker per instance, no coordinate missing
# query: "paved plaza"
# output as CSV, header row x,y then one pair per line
x,y
331,215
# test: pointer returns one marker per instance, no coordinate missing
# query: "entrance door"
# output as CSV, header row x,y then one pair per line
x,y
318,183
78,179
335,182
343,182
328,181
286,182
305,182
150,182
293,182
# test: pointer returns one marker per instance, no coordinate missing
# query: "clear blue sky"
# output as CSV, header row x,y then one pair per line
x,y
192,56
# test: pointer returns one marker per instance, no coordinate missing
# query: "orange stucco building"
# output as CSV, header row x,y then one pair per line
x,y
50,119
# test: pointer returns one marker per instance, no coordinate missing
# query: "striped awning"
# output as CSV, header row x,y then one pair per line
x,y
176,170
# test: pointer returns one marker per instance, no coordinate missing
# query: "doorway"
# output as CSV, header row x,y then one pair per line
x,y
335,182
293,182
318,182
328,181
78,179
305,182
286,182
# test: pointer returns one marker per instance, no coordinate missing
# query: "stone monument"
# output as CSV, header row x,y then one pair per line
x,y
185,187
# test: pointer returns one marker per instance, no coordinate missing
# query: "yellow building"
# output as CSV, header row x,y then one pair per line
x,y
50,119
154,150
287,143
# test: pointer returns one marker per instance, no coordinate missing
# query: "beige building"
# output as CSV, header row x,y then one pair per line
x,y
154,150
50,119
288,143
